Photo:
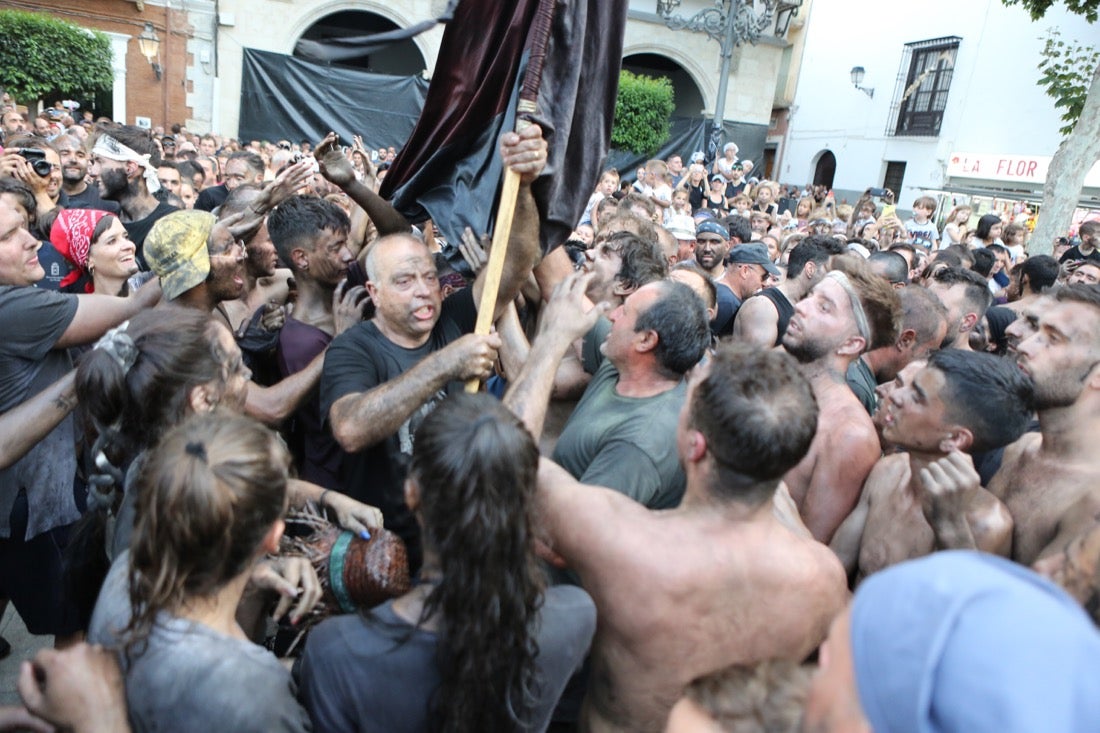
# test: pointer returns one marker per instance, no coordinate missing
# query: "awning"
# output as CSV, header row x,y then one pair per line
x,y
1012,177
1087,200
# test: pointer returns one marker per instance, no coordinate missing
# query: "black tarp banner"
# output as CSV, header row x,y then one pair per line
x,y
283,97
451,170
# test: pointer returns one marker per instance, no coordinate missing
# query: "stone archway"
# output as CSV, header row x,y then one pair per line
x,y
402,59
689,98
825,169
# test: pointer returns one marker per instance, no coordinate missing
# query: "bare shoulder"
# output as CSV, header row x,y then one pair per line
x,y
1025,444
587,523
850,428
889,473
757,308
1028,444
820,570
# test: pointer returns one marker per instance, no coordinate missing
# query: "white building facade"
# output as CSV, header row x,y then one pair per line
x,y
951,81
757,72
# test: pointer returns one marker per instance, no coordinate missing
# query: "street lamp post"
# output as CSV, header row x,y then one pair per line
x,y
730,22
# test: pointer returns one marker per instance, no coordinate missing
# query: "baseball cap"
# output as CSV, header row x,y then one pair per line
x,y
754,253
681,231
697,157
717,177
175,249
859,249
712,227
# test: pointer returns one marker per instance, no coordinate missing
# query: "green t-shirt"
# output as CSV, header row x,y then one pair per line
x,y
624,443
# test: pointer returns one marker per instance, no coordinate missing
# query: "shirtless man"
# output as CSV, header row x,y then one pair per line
x,y
1029,280
763,318
848,312
923,328
717,581
882,394
1050,481
961,402
966,296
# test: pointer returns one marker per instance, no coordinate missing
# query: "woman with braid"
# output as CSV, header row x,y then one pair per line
x,y
213,493
478,644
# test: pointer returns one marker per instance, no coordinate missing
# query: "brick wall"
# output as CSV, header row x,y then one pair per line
x,y
164,102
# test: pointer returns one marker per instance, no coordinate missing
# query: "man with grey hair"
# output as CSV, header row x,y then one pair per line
x,y
382,376
622,433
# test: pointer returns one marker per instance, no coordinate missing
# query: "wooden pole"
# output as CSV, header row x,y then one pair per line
x,y
506,209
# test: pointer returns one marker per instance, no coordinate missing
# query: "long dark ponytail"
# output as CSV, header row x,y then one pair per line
x,y
475,467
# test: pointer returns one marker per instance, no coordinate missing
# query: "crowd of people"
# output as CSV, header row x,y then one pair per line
x,y
745,459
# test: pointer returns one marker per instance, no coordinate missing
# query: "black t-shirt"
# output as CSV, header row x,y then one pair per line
x,y
373,671
211,198
1074,253
735,189
359,360
138,230
696,194
56,267
88,199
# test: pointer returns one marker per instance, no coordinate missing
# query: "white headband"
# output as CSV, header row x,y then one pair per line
x,y
107,147
862,325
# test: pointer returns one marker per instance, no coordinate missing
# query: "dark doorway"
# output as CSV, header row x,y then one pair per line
x,y
895,174
400,59
825,170
687,97
769,161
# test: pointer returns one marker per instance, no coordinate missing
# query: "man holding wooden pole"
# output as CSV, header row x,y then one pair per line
x,y
383,376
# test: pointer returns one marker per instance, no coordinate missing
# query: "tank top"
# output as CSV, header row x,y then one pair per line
x,y
783,307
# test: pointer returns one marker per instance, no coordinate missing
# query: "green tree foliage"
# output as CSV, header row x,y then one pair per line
x,y
1081,146
1039,8
1067,70
642,113
40,54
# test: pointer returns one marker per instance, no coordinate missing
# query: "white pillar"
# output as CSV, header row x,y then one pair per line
x,y
119,43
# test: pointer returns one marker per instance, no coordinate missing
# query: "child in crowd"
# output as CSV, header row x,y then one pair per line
x,y
956,229
922,231
865,213
761,223
681,206
741,203
658,186
765,198
1014,237
715,200
609,181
